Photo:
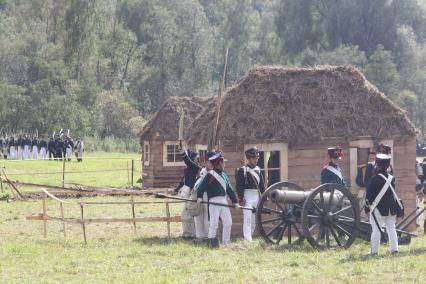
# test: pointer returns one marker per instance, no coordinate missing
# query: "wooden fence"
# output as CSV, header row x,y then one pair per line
x,y
84,221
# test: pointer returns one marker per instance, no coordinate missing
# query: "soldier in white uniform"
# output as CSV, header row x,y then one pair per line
x,y
201,220
218,187
250,185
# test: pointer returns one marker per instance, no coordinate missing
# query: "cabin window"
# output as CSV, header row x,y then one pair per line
x,y
146,153
269,163
358,158
201,150
172,154
272,161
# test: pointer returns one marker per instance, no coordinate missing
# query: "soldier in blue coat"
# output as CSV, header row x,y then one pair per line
x,y
382,203
218,187
332,173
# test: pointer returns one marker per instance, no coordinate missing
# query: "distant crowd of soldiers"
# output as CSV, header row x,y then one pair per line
x,y
31,147
421,149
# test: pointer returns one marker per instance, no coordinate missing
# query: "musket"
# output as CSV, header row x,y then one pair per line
x,y
161,195
181,121
219,101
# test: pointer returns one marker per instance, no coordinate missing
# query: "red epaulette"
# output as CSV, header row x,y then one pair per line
x,y
211,180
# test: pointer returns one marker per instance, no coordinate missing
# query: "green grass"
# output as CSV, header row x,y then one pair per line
x,y
114,253
50,172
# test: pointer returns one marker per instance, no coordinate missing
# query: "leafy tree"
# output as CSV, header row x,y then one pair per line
x,y
382,72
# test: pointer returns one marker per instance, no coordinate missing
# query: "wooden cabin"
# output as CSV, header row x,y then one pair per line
x,y
293,114
162,164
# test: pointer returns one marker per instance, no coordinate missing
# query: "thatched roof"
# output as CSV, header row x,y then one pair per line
x,y
166,119
302,105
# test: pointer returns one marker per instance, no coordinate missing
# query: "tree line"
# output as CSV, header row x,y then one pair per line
x,y
104,67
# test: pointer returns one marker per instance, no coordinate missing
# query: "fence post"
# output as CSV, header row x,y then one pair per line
x,y
82,222
63,221
1,183
133,169
128,174
134,215
44,216
63,173
168,219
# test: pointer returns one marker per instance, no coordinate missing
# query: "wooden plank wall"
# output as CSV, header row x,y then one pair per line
x,y
304,166
156,174
404,154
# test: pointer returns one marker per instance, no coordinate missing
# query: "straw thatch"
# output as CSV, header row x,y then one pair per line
x,y
302,105
166,119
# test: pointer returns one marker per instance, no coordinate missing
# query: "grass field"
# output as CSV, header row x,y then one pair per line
x,y
117,166
116,254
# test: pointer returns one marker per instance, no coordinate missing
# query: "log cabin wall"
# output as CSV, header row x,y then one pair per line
x,y
158,175
404,155
304,168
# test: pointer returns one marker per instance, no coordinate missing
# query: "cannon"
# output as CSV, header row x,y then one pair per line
x,y
327,216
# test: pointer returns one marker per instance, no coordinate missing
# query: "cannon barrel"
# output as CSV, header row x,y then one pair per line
x,y
294,197
288,196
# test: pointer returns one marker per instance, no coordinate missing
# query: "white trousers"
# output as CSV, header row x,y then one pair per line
x,y
19,153
26,153
251,197
389,222
188,227
35,152
223,213
69,153
202,221
12,154
43,153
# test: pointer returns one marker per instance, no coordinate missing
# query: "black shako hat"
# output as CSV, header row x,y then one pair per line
x,y
252,152
190,154
384,149
335,152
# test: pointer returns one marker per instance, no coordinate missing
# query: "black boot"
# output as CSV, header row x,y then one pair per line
x,y
213,243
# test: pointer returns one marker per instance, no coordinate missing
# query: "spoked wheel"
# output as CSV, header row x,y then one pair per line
x,y
277,221
330,217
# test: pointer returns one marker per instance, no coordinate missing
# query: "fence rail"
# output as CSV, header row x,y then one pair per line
x,y
114,173
83,221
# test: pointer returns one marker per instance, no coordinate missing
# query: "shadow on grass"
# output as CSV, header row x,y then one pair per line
x,y
296,247
367,257
164,241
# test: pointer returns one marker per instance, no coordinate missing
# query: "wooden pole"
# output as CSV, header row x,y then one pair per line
x,y
63,173
134,215
44,217
133,168
168,219
82,222
219,100
63,221
128,174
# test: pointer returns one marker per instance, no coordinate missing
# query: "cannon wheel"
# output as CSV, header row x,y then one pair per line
x,y
273,219
329,222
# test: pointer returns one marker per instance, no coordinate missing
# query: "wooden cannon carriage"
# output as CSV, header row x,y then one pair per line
x,y
327,216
